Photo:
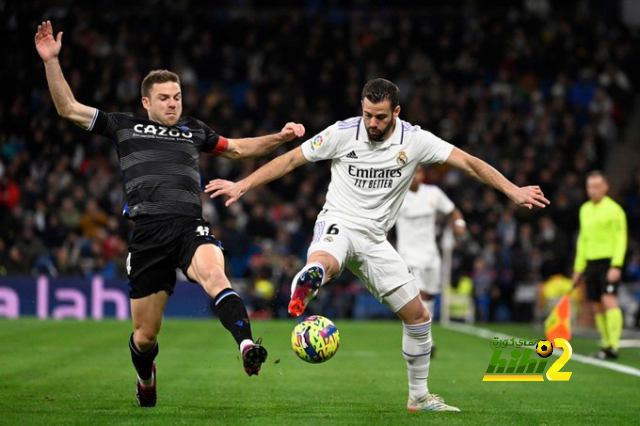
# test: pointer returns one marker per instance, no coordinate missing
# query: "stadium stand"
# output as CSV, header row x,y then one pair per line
x,y
545,97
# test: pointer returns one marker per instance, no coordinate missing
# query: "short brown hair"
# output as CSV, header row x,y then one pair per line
x,y
379,90
597,173
157,76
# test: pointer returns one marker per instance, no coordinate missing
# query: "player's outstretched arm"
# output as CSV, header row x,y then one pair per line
x,y
48,48
241,149
458,224
273,170
526,196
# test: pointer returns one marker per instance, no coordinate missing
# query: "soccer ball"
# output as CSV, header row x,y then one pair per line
x,y
316,339
544,348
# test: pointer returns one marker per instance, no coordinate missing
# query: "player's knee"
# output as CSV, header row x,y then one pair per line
x,y
609,301
414,313
423,316
145,339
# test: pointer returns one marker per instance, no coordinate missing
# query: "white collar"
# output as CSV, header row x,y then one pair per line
x,y
396,138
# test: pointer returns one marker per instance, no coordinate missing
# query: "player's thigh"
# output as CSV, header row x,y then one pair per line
x,y
331,238
146,314
150,266
199,253
383,271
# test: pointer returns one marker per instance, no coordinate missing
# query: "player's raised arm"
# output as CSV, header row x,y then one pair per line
x,y
48,48
273,170
458,224
241,149
526,196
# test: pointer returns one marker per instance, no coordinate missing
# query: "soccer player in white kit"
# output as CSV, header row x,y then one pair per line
x,y
416,235
374,158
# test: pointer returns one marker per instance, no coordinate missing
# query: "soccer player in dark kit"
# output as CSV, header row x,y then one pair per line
x,y
159,162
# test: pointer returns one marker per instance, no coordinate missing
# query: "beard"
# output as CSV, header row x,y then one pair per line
x,y
379,137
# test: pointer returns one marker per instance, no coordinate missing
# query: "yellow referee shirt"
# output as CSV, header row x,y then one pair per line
x,y
603,234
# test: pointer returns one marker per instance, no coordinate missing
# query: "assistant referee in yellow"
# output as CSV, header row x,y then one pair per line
x,y
600,252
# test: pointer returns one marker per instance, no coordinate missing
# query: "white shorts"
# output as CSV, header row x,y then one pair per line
x,y
376,263
428,280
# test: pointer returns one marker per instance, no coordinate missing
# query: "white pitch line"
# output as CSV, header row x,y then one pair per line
x,y
488,334
629,343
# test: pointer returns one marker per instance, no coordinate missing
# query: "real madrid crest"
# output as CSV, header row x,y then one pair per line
x,y
402,159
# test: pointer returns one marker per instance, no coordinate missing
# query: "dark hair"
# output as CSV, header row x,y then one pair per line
x,y
157,76
379,90
597,173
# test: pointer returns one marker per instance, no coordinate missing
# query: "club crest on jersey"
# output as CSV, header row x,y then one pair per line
x,y
402,158
328,238
317,142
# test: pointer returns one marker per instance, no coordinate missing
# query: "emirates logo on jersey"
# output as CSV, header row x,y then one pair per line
x,y
402,159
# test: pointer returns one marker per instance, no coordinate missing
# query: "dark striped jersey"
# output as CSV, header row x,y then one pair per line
x,y
159,164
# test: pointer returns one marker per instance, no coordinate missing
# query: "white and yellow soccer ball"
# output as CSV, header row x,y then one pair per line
x,y
315,339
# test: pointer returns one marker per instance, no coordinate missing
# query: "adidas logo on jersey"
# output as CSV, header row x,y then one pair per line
x,y
352,154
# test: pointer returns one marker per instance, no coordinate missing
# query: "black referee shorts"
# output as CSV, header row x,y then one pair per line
x,y
595,275
160,246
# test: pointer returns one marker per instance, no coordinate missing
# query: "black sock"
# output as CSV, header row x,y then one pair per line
x,y
143,361
233,314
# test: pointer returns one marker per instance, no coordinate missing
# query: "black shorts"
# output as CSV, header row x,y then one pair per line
x,y
160,246
595,275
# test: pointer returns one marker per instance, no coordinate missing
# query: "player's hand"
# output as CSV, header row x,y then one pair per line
x,y
220,187
48,47
577,279
459,227
291,131
529,196
613,275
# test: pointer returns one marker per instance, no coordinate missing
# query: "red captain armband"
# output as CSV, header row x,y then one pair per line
x,y
221,146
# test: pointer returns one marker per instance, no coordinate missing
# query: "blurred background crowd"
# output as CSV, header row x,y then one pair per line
x,y
545,95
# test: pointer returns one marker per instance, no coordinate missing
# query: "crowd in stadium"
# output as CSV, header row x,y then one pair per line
x,y
543,99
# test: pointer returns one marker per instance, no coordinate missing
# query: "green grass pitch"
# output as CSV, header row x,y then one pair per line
x,y
71,372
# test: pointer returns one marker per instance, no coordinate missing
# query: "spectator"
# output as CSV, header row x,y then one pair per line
x,y
522,89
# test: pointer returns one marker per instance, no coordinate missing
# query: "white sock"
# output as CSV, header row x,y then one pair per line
x,y
244,344
306,268
416,348
319,265
149,382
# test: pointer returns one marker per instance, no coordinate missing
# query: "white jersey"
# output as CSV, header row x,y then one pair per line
x,y
416,225
370,179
